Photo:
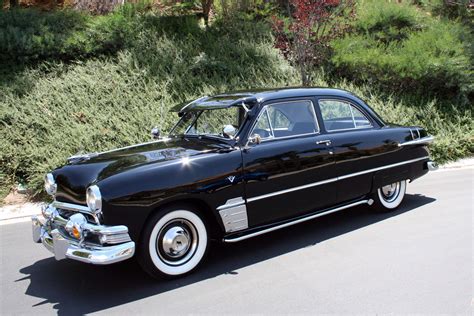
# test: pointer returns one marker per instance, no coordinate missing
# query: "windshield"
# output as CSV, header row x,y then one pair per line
x,y
209,122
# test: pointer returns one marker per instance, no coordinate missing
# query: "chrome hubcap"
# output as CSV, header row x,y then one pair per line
x,y
177,242
390,192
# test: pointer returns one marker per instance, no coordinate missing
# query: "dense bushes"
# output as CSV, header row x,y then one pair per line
x,y
80,83
31,35
400,47
97,104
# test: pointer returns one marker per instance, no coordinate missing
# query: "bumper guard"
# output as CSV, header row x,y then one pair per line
x,y
50,229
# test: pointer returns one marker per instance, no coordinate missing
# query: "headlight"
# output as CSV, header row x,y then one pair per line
x,y
50,185
94,199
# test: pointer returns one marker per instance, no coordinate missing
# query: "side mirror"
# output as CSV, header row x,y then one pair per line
x,y
229,131
255,139
155,133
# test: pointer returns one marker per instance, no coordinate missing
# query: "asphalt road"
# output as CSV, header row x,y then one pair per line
x,y
418,259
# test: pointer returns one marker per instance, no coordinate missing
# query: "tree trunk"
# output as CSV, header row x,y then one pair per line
x,y
206,9
13,3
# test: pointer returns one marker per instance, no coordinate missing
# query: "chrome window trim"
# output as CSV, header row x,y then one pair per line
x,y
352,115
264,109
351,106
350,129
302,187
288,137
270,123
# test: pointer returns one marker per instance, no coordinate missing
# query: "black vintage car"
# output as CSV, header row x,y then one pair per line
x,y
235,166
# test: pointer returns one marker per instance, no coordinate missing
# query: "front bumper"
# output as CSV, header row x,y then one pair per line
x,y
49,229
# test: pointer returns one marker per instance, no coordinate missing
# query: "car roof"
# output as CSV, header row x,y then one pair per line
x,y
251,97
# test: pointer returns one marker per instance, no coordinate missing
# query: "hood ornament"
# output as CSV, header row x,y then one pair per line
x,y
231,179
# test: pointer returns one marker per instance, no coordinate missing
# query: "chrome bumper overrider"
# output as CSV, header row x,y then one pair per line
x,y
113,244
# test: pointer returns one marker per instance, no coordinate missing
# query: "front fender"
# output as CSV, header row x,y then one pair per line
x,y
130,197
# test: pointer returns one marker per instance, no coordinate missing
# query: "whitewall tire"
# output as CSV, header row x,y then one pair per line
x,y
173,243
389,197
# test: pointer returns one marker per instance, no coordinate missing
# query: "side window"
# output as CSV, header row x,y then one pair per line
x,y
340,115
278,119
262,127
286,119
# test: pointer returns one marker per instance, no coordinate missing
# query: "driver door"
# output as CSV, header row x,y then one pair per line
x,y
289,173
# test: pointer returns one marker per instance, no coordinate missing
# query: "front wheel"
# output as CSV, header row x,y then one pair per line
x,y
389,197
173,243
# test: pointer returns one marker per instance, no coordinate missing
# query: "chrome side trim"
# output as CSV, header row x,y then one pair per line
x,y
418,141
231,203
234,215
304,219
256,198
381,168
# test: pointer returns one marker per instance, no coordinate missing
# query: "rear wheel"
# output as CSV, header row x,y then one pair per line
x,y
389,197
173,243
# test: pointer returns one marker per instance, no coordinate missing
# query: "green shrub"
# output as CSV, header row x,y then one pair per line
x,y
387,21
29,35
398,47
98,104
452,126
52,109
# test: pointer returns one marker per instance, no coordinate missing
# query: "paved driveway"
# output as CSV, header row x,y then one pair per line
x,y
418,259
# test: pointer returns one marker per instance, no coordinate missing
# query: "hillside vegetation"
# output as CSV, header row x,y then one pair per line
x,y
71,82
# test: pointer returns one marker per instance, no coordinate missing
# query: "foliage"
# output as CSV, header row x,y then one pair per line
x,y
30,35
73,83
53,110
304,36
405,50
453,9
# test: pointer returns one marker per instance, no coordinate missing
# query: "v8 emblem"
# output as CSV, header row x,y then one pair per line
x,y
231,179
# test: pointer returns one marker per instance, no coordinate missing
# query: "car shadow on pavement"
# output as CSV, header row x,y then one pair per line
x,y
76,288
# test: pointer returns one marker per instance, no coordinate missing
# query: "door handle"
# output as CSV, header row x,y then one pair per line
x,y
327,142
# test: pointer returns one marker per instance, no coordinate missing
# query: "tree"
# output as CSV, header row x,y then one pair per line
x,y
304,35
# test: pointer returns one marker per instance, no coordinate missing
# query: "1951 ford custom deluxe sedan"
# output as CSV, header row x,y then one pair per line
x,y
235,166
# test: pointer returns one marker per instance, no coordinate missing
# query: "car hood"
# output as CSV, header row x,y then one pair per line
x,y
82,171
